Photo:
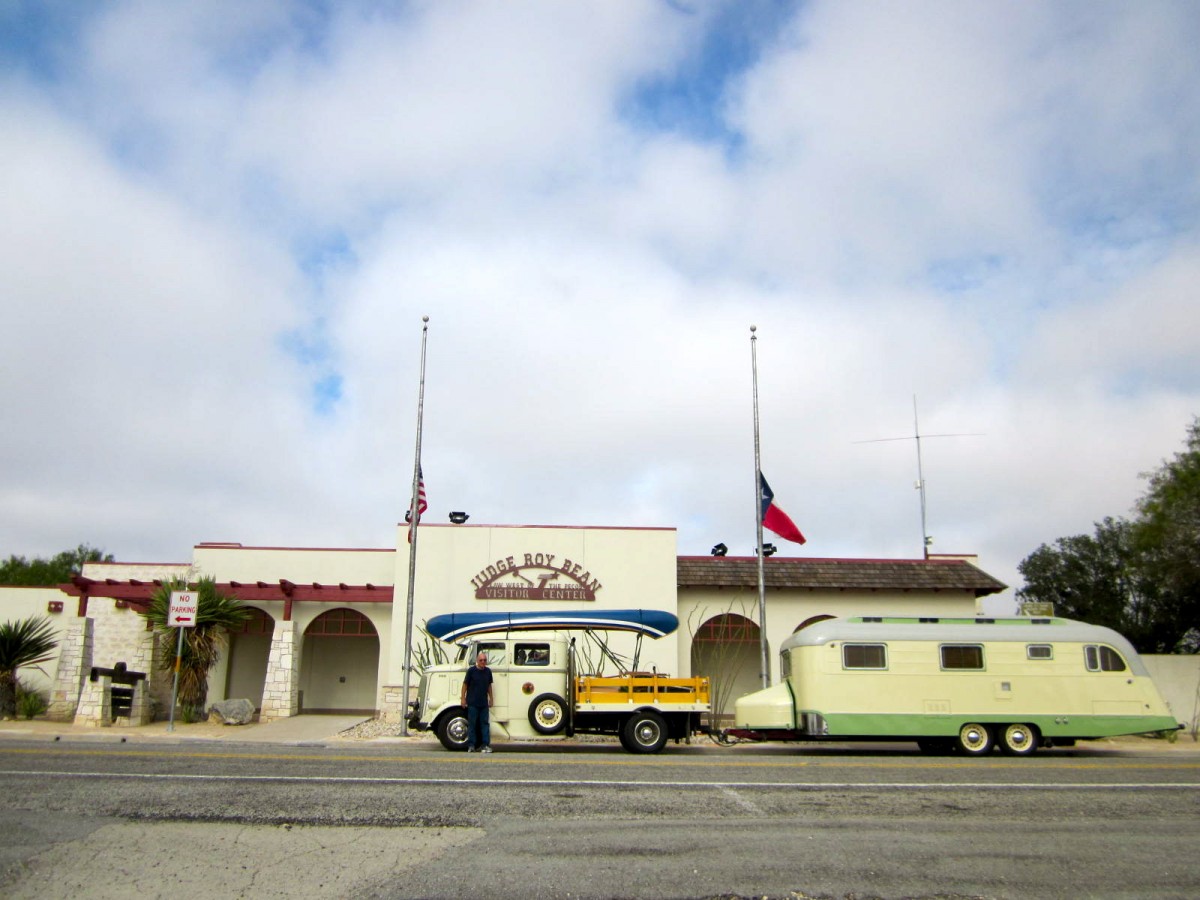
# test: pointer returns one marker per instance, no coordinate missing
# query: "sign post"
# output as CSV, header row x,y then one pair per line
x,y
181,614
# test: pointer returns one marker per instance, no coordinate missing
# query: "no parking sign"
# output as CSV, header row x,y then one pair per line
x,y
182,611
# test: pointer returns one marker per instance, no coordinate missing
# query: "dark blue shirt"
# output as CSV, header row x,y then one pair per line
x,y
477,681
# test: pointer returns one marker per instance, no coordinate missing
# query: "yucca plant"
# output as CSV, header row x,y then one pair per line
x,y
28,642
216,615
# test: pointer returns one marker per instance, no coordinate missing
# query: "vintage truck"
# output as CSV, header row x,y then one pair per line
x,y
538,689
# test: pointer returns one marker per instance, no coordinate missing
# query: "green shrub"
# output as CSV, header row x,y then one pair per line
x,y
30,703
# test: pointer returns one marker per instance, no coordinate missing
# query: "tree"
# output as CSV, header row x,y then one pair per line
x,y
1140,577
216,615
1167,536
27,642
38,572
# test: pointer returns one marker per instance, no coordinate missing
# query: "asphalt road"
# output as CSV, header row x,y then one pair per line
x,y
590,821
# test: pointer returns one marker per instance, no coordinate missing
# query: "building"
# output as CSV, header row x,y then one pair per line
x,y
329,629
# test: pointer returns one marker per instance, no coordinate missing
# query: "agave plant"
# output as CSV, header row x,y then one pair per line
x,y
216,615
28,642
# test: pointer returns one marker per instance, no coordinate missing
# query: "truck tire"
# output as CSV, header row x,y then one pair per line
x,y
644,732
452,729
548,714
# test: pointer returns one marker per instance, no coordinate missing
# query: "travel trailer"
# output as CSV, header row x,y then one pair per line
x,y
537,690
959,684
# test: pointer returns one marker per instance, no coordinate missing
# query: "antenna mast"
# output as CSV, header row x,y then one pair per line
x,y
926,538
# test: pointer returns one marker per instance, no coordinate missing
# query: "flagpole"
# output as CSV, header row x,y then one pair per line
x,y
764,661
413,514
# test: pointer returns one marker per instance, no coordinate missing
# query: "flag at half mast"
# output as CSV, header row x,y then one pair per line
x,y
773,517
422,504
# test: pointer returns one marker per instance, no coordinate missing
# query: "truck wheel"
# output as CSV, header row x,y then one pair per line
x,y
548,714
645,732
974,739
1018,740
452,730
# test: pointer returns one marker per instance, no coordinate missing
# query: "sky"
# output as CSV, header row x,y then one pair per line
x,y
222,224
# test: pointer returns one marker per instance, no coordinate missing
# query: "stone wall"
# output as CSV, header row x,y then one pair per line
x,y
281,690
74,662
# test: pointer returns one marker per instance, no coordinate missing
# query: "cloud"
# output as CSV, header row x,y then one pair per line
x,y
221,230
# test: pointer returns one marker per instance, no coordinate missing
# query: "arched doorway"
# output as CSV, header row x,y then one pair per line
x,y
249,651
339,664
726,648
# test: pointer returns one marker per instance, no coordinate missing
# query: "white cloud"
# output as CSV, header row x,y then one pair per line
x,y
204,215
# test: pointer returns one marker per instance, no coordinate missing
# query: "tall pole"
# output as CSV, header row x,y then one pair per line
x,y
925,539
412,531
764,655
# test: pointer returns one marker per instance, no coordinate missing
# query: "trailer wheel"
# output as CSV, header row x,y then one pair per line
x,y
548,714
452,730
645,732
975,739
1018,740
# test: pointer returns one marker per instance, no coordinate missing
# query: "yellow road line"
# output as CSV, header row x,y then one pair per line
x,y
639,762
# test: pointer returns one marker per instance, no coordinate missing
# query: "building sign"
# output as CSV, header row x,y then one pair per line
x,y
537,576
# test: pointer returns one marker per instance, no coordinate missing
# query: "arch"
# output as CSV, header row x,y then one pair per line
x,y
726,648
249,651
339,663
813,620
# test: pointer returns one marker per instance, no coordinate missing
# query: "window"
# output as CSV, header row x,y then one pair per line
x,y
864,656
1039,651
493,649
1103,659
532,655
962,656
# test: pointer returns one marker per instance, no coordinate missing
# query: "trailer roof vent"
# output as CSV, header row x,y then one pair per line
x,y
986,621
1040,621
872,618
930,620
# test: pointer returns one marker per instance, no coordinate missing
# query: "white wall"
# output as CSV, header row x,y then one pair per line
x,y
1178,680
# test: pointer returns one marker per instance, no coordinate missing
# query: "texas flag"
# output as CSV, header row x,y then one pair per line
x,y
773,517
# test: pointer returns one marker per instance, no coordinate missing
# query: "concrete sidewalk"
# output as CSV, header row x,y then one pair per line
x,y
295,730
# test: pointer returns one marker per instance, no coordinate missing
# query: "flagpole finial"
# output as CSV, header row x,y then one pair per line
x,y
424,318
753,328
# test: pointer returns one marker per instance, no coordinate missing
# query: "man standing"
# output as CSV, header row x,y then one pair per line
x,y
477,698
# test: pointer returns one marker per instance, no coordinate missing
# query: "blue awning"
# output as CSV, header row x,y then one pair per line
x,y
651,622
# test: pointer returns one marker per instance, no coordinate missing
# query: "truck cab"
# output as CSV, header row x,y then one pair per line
x,y
530,687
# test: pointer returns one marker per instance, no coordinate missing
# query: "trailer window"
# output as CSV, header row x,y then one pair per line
x,y
532,654
962,656
1103,659
1039,651
864,656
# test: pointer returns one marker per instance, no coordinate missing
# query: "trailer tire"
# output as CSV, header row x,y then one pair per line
x,y
1018,740
975,739
645,732
548,714
452,729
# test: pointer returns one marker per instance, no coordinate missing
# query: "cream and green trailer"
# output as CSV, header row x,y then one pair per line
x,y
956,684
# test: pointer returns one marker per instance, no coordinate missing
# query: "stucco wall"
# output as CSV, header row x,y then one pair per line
x,y
17,603
1178,680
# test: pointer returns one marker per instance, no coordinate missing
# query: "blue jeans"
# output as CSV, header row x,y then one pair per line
x,y
479,731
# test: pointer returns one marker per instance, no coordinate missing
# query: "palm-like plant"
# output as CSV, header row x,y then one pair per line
x,y
216,615
27,642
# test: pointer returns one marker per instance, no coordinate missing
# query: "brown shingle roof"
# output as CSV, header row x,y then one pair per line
x,y
837,574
